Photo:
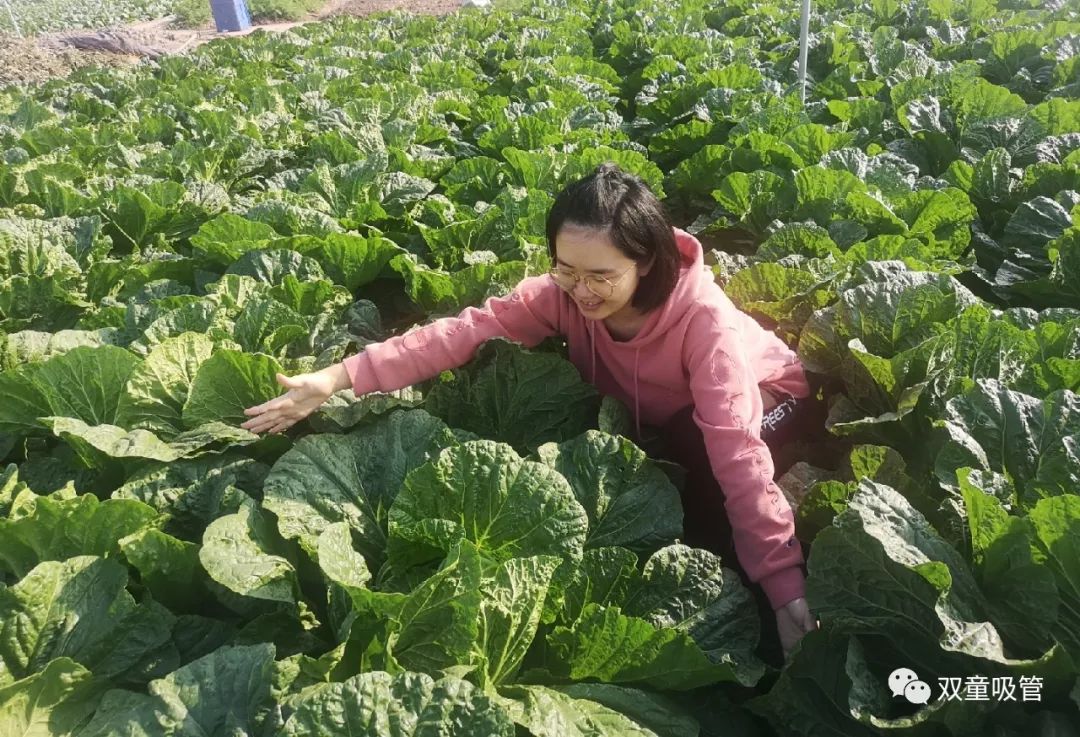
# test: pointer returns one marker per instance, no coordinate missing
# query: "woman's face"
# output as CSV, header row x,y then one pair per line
x,y
586,251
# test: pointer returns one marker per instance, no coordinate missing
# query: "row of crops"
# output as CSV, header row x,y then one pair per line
x,y
486,553
29,17
38,16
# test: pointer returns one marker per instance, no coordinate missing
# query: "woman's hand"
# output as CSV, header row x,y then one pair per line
x,y
793,620
306,393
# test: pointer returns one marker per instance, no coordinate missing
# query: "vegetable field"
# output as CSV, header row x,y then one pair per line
x,y
40,16
37,16
486,553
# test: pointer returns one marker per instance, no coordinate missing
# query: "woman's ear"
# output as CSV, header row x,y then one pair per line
x,y
643,270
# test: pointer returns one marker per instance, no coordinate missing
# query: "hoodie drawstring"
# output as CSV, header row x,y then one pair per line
x,y
592,342
637,414
637,354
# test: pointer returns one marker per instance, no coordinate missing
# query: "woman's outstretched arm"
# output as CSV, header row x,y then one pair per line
x,y
527,315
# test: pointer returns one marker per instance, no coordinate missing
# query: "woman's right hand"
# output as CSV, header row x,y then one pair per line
x,y
306,393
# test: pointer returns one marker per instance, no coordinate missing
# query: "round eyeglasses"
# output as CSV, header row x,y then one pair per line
x,y
598,285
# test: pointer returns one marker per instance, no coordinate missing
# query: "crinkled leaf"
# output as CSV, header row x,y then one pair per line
x,y
225,692
79,609
86,383
226,384
49,703
42,528
547,712
237,552
629,500
524,399
484,492
157,389
351,478
376,704
510,610
606,645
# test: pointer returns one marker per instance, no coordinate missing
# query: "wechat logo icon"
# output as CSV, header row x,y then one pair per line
x,y
905,682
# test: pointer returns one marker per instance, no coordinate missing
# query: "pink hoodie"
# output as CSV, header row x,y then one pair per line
x,y
697,348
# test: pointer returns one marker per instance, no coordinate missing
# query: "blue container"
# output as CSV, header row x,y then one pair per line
x,y
231,15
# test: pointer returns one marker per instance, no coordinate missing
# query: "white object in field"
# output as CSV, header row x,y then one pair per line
x,y
804,32
476,3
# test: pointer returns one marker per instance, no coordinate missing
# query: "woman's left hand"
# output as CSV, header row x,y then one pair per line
x,y
793,620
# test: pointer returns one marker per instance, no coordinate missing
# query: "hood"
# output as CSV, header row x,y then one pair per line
x,y
694,279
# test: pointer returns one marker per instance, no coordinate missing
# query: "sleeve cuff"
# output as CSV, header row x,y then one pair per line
x,y
363,379
783,586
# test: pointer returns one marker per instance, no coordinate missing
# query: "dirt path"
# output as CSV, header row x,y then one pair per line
x,y
35,60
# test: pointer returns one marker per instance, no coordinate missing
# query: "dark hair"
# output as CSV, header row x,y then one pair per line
x,y
620,203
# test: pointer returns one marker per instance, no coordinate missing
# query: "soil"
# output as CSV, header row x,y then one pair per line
x,y
429,7
31,61
28,61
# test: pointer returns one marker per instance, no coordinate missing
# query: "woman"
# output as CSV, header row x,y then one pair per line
x,y
646,323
